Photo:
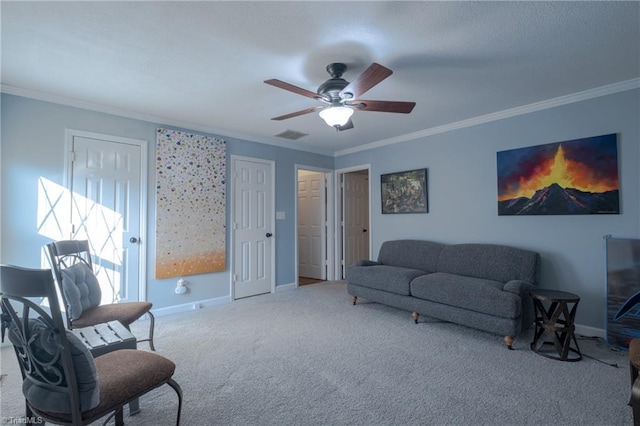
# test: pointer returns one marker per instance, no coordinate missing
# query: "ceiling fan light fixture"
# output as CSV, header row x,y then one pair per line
x,y
336,116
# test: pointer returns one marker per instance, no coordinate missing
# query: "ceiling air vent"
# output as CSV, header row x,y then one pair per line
x,y
291,135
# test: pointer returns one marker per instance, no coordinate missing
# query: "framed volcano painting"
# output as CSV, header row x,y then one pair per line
x,y
564,178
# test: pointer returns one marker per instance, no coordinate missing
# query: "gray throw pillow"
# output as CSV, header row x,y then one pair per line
x,y
48,392
81,289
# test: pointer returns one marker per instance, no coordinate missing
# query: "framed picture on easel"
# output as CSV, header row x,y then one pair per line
x,y
623,290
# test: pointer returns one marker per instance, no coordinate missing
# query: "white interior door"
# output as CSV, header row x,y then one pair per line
x,y
253,227
107,187
311,225
355,204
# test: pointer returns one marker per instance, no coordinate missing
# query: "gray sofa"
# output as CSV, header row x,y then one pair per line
x,y
484,286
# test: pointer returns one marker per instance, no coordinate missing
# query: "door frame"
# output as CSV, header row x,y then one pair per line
x,y
329,219
142,245
232,216
339,214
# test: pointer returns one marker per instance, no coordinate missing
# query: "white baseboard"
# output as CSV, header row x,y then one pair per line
x,y
208,302
191,306
284,287
587,331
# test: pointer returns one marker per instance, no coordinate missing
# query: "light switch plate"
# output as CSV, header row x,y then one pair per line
x,y
280,216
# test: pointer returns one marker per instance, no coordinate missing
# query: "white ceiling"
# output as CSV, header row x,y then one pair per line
x,y
201,65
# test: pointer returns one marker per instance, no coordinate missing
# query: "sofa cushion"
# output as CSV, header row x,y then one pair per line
x,y
475,294
383,277
412,254
490,261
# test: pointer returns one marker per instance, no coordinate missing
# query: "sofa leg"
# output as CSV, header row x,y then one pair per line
x,y
415,316
509,341
354,298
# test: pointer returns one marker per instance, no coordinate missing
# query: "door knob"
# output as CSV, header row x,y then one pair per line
x,y
133,240
269,235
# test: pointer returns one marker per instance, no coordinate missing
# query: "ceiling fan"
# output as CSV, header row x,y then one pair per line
x,y
341,97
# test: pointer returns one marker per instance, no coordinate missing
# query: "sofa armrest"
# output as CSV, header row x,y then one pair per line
x,y
522,288
365,262
517,287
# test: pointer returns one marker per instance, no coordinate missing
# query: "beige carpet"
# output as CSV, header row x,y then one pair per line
x,y
309,357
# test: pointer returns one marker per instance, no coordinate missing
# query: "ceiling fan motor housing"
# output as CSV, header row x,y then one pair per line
x,y
332,87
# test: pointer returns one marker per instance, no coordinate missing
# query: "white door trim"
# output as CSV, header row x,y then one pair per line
x,y
338,214
232,215
330,219
144,157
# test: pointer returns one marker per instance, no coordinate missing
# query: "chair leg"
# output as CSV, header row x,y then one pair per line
x,y
635,402
634,375
178,390
119,417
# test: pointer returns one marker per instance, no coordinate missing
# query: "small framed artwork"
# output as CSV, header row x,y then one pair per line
x,y
404,192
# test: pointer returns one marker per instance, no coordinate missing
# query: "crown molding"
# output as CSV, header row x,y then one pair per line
x,y
161,121
609,89
512,112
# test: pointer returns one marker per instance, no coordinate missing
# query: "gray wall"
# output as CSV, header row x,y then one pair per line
x,y
33,141
462,190
462,184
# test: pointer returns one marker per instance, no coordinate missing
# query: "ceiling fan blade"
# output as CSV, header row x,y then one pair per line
x,y
365,81
383,106
346,126
295,89
297,113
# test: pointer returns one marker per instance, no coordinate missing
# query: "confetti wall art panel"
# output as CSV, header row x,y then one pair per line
x,y
190,204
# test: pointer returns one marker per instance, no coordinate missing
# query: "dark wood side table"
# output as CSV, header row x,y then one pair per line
x,y
555,313
105,338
